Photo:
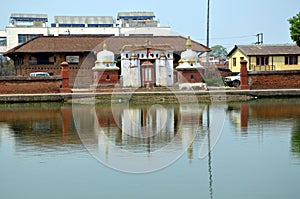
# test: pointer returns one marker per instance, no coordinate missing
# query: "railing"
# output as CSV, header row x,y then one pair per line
x,y
32,62
262,67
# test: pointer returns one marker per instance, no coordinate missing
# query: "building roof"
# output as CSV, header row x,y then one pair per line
x,y
253,50
29,17
84,19
58,44
156,47
135,15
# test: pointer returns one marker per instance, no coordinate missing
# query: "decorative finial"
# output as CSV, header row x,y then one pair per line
x,y
147,43
104,46
188,44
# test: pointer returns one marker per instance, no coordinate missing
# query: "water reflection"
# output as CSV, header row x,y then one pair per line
x,y
141,129
295,139
128,137
263,113
258,116
40,128
138,138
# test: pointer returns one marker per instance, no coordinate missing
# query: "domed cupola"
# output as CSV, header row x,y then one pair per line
x,y
105,58
189,58
105,71
189,54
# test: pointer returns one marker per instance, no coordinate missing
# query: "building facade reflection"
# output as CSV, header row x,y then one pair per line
x,y
148,128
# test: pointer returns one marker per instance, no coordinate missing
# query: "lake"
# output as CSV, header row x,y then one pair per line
x,y
220,150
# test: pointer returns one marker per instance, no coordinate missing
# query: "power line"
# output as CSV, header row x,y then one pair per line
x,y
233,37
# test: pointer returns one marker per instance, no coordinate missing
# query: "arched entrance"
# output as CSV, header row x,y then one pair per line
x,y
147,74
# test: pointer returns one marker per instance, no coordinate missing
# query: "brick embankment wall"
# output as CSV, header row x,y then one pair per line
x,y
29,85
274,79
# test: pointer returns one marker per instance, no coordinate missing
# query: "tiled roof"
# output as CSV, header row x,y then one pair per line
x,y
95,43
252,50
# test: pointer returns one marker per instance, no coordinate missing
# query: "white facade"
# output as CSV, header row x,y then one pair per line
x,y
160,70
3,41
23,27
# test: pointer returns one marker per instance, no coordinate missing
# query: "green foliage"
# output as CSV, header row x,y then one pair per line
x,y
295,28
6,66
217,82
218,51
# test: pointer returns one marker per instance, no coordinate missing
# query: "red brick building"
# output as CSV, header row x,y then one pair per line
x,y
46,53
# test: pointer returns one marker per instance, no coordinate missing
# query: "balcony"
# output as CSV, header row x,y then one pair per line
x,y
262,67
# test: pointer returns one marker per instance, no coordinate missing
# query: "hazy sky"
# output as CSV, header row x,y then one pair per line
x,y
231,22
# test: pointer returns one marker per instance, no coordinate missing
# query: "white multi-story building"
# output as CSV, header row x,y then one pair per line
x,y
23,27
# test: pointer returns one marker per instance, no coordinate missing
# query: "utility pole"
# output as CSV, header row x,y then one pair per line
x,y
207,33
208,108
259,39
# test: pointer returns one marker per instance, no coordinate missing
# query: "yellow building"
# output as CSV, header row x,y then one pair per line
x,y
265,57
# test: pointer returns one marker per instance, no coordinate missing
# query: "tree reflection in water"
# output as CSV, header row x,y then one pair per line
x,y
295,139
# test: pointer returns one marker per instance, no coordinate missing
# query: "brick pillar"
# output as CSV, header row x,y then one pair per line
x,y
244,75
65,78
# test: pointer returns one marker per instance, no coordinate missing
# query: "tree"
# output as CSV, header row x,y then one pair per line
x,y
218,51
6,66
295,28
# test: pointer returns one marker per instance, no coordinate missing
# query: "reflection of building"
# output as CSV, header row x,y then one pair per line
x,y
148,128
147,122
40,125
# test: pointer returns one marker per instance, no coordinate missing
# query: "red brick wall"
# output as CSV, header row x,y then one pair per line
x,y
274,79
28,85
189,76
106,77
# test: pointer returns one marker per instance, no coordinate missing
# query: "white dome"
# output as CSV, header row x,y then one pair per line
x,y
189,55
105,56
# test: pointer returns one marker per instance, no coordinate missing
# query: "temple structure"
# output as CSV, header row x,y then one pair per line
x,y
105,71
147,65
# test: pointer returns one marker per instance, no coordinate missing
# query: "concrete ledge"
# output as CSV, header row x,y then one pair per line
x,y
157,96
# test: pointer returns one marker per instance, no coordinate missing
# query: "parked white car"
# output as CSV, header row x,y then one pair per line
x,y
39,74
233,81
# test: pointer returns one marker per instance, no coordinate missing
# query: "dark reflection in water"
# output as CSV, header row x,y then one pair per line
x,y
41,128
295,139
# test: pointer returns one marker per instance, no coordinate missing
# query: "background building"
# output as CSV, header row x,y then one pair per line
x,y
265,57
160,53
23,27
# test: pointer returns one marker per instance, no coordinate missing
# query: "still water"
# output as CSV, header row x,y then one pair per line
x,y
151,151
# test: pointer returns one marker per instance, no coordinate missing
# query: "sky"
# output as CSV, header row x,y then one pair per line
x,y
232,22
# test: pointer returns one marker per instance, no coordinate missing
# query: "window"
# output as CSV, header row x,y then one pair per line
x,y
72,59
44,59
3,41
234,61
291,60
261,61
22,38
